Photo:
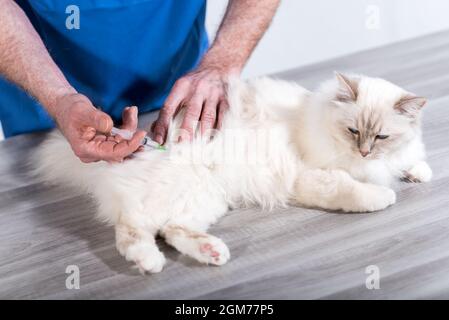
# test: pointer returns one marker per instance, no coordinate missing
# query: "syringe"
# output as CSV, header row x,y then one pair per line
x,y
146,141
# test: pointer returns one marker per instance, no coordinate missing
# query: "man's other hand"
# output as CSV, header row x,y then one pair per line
x,y
203,95
87,130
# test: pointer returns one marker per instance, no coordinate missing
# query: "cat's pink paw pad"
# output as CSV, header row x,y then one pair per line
x,y
214,252
205,247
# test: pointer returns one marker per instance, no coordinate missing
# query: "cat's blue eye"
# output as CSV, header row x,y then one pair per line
x,y
382,136
354,131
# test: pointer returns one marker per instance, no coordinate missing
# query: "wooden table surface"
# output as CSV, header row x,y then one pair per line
x,y
290,253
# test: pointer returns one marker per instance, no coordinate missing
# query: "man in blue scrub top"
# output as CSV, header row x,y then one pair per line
x,y
60,58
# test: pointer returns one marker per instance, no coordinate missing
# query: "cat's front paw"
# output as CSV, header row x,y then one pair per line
x,y
420,172
375,198
147,257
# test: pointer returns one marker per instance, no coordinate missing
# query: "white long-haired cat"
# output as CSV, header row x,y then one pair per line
x,y
335,149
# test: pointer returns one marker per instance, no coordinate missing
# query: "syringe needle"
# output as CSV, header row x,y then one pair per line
x,y
147,141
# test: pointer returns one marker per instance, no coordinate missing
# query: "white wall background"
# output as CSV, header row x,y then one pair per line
x,y
307,31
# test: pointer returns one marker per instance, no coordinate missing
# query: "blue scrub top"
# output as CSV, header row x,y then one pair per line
x,y
126,52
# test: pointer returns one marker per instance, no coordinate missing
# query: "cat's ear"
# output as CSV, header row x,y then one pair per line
x,y
348,88
410,105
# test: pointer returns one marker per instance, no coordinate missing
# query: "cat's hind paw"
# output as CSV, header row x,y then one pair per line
x,y
212,250
147,257
420,172
200,246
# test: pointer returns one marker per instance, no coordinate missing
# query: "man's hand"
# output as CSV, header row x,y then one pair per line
x,y
202,94
86,129
25,61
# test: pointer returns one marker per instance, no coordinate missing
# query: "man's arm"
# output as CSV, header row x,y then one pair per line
x,y
25,61
202,92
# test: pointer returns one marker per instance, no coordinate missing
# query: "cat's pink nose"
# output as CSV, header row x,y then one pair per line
x,y
364,153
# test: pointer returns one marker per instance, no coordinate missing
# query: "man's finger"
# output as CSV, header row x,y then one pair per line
x,y
129,122
129,118
177,95
100,121
152,126
88,134
127,147
191,117
222,109
113,151
209,115
88,160
100,138
161,126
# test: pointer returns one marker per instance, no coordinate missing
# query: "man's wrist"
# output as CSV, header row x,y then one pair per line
x,y
224,70
52,101
228,66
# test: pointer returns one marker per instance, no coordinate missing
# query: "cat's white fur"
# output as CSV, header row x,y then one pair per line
x,y
279,145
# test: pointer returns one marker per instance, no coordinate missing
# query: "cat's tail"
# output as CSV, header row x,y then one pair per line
x,y
54,162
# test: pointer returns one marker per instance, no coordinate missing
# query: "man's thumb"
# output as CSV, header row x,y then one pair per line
x,y
102,122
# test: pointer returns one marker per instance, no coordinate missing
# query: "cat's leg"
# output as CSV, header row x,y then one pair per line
x,y
136,242
191,240
337,190
375,172
420,172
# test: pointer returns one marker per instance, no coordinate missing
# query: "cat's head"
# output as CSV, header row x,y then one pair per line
x,y
372,117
